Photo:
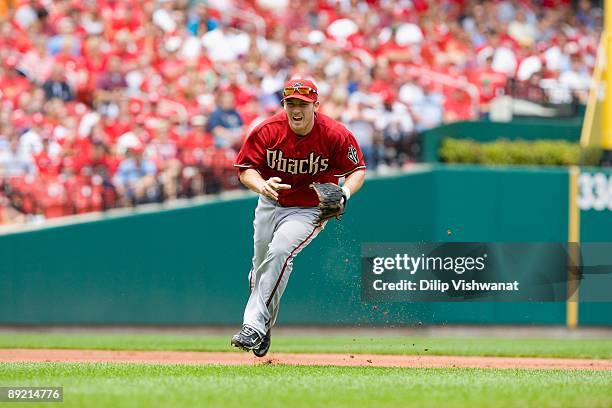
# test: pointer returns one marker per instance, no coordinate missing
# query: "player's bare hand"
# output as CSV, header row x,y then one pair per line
x,y
271,186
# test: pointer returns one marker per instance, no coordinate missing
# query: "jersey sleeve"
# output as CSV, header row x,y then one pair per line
x,y
252,152
348,157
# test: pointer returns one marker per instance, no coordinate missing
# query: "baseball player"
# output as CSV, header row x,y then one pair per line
x,y
294,161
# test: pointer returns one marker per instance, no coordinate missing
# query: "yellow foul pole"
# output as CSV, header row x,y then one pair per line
x,y
607,108
573,249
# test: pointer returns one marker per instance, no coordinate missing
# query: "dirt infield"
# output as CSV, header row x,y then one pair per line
x,y
373,360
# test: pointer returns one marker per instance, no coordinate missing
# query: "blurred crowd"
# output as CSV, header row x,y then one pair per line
x,y
115,103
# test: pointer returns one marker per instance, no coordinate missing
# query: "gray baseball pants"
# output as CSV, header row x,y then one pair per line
x,y
280,233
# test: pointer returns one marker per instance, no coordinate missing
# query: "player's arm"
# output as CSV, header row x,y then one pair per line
x,y
353,183
251,179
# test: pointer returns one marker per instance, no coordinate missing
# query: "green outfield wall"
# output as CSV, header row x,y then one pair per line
x,y
596,226
189,265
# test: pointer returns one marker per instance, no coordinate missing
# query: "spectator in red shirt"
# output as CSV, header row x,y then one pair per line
x,y
48,165
114,78
488,81
195,151
12,83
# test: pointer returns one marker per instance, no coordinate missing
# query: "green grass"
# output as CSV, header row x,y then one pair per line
x,y
114,385
142,385
466,346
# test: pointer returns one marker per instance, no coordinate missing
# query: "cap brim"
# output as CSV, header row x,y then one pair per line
x,y
298,96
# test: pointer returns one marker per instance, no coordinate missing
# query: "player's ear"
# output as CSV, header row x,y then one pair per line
x,y
316,105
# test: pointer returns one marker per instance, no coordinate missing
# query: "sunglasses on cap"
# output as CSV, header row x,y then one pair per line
x,y
302,90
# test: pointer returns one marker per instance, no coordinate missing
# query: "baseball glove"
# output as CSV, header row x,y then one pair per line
x,y
332,200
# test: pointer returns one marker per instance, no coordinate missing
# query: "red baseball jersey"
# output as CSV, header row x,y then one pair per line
x,y
327,153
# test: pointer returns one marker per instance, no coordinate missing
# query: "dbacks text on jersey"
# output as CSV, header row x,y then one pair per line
x,y
311,165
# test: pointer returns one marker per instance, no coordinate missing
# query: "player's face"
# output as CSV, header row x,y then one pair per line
x,y
301,115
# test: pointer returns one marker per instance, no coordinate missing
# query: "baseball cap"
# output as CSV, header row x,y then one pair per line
x,y
303,89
